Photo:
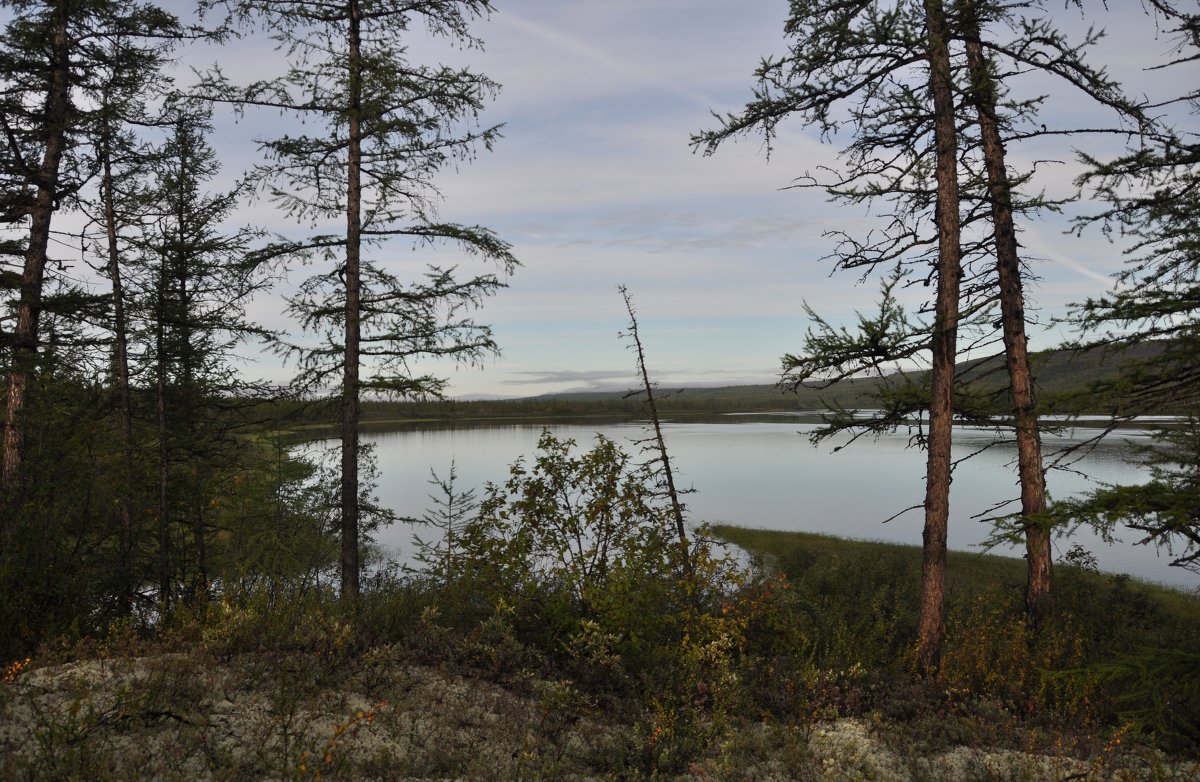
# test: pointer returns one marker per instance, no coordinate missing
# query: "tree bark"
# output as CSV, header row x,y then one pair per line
x,y
1012,313
188,366
25,336
943,345
125,579
660,442
164,508
350,374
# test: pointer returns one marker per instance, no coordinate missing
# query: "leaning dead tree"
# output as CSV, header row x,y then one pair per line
x,y
659,443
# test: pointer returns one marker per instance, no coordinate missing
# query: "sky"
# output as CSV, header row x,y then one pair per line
x,y
595,185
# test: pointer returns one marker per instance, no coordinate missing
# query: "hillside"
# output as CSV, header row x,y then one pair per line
x,y
1063,378
1058,373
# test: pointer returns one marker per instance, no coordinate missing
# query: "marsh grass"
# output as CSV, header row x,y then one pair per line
x,y
1118,655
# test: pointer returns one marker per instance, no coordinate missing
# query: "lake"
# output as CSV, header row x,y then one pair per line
x,y
762,472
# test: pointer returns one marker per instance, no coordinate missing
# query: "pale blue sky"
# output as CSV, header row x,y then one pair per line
x,y
595,186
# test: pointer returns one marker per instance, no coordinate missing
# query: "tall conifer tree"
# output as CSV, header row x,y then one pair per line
x,y
857,64
125,84
197,278
52,55
378,129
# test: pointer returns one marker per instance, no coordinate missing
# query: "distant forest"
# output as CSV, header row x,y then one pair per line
x,y
1067,381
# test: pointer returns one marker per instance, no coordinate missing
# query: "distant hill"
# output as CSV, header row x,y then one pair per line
x,y
1063,377
1059,374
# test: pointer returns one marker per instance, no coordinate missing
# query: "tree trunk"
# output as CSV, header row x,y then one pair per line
x,y
125,579
943,344
164,509
182,253
190,402
350,374
1012,313
25,336
660,442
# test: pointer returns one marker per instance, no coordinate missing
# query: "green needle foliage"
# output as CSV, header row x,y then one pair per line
x,y
57,60
895,80
379,130
1163,512
451,511
1151,320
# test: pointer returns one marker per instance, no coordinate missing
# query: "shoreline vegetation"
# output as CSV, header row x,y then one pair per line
x,y
184,595
1066,382
805,676
514,653
782,549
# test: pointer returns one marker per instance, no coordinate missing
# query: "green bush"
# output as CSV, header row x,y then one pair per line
x,y
574,562
571,537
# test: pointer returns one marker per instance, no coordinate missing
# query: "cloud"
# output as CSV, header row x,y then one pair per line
x,y
666,382
595,184
575,47
1064,252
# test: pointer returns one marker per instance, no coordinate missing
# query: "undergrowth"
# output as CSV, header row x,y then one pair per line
x,y
561,636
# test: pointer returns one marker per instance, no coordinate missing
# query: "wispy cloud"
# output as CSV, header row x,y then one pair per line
x,y
595,184
576,47
1035,240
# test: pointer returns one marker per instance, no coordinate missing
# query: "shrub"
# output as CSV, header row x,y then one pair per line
x,y
992,652
571,536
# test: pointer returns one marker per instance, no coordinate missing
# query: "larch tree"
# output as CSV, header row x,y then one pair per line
x,y
983,94
52,55
878,64
943,342
377,130
898,75
1152,197
123,87
660,463
197,276
37,116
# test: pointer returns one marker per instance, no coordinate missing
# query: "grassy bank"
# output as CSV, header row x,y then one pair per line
x,y
1116,651
792,552
967,573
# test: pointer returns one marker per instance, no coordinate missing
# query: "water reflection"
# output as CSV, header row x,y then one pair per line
x,y
764,473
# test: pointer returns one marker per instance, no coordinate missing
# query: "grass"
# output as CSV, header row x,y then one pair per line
x,y
791,551
966,572
803,682
1116,651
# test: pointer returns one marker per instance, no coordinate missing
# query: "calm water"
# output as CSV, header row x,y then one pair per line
x,y
766,474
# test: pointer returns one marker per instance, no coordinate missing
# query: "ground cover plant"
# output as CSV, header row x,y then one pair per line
x,y
1104,660
187,594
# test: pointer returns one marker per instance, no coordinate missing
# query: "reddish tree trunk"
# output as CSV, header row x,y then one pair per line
x,y
943,345
25,335
350,375
1012,312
